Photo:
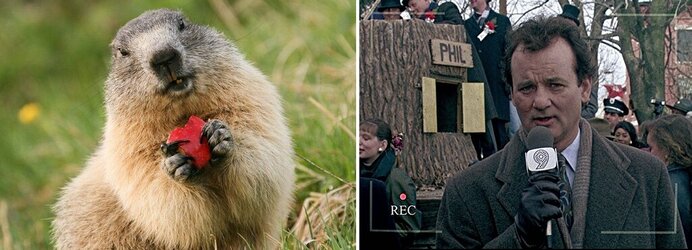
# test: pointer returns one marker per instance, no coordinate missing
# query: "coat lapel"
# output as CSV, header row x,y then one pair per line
x,y
610,173
472,27
512,172
612,189
491,14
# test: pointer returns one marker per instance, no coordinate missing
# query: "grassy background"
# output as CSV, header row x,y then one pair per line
x,y
55,54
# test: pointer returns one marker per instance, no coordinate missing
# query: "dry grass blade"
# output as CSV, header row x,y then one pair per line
x,y
306,177
332,117
5,224
226,13
320,210
321,168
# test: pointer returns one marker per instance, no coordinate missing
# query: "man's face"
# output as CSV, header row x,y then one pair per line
x,y
478,5
418,6
391,14
545,90
613,119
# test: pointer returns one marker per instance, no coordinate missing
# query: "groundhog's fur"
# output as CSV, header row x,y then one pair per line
x,y
128,196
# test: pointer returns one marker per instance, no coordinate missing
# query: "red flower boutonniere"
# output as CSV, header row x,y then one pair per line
x,y
488,29
429,16
490,25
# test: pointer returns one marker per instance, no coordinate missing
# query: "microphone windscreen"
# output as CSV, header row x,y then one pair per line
x,y
539,137
541,155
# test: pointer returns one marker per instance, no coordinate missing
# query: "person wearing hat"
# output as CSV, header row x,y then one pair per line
x,y
570,12
615,111
601,126
391,9
431,11
487,32
681,107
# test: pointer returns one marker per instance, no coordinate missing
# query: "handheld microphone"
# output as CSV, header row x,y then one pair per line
x,y
541,156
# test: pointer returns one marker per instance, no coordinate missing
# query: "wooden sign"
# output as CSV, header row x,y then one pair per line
x,y
451,53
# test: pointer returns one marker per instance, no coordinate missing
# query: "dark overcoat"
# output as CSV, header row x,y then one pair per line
x,y
492,51
448,13
630,202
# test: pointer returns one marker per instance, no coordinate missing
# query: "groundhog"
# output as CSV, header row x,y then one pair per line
x,y
136,194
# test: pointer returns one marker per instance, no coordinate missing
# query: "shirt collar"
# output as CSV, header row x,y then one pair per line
x,y
572,151
485,14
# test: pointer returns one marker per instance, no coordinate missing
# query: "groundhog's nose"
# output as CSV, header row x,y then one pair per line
x,y
165,58
167,64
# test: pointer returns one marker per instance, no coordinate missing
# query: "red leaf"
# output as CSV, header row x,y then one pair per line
x,y
191,141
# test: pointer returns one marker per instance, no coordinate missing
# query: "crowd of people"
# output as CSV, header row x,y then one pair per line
x,y
616,177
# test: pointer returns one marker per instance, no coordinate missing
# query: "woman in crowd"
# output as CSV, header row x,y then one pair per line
x,y
670,139
378,161
625,133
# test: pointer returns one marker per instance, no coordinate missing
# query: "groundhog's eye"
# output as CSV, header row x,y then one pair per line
x,y
181,24
123,52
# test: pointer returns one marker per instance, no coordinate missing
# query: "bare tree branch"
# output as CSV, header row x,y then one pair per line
x,y
668,42
683,73
603,36
532,9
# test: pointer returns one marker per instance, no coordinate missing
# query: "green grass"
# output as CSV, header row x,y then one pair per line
x,y
55,54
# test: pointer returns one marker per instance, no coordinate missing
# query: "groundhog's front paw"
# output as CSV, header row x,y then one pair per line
x,y
176,165
220,139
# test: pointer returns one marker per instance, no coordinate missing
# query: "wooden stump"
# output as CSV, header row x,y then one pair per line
x,y
394,56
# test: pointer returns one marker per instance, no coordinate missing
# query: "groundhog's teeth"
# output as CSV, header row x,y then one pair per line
x,y
173,76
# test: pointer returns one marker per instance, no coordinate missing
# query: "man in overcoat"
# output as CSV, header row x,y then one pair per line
x,y
487,31
610,195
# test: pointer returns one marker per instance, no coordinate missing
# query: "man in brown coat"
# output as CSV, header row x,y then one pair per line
x,y
621,197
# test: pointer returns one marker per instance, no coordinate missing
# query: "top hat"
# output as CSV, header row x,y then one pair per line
x,y
684,105
386,4
570,12
613,105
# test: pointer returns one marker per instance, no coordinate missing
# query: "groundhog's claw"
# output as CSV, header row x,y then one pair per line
x,y
220,138
179,167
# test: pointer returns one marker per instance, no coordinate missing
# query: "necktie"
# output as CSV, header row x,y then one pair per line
x,y
565,191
